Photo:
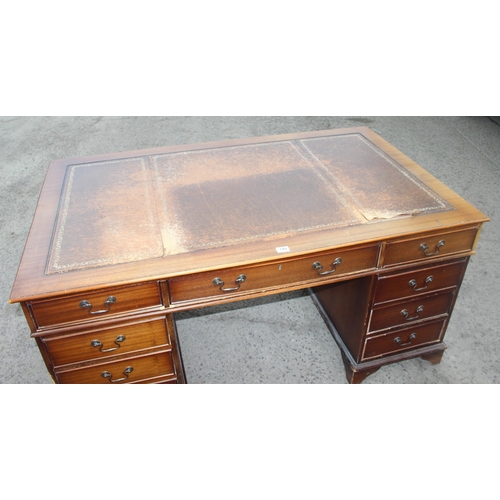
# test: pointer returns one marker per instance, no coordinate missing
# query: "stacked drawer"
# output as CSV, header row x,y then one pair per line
x,y
411,308
119,335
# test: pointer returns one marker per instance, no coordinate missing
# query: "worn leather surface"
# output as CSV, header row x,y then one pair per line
x,y
139,208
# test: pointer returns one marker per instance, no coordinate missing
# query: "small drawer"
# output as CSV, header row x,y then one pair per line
x,y
401,340
411,311
122,371
312,269
418,281
423,248
96,305
102,343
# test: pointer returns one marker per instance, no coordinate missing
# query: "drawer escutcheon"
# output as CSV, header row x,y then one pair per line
x,y
407,316
398,340
220,283
413,284
425,248
108,375
85,304
98,343
318,267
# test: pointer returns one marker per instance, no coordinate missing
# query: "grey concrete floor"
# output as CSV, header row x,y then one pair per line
x,y
278,339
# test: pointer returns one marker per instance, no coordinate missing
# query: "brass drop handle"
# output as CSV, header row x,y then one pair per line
x,y
398,340
413,284
218,282
425,248
98,343
85,304
407,316
108,375
318,267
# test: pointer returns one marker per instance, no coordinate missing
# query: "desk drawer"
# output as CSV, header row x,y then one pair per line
x,y
240,281
102,343
122,371
427,247
96,305
410,311
402,340
418,281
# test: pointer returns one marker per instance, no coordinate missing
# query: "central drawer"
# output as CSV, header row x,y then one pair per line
x,y
244,280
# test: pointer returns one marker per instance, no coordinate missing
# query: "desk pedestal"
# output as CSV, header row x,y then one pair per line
x,y
390,317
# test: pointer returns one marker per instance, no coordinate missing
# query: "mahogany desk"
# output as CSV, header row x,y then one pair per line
x,y
120,242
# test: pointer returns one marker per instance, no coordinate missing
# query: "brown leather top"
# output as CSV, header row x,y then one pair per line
x,y
132,209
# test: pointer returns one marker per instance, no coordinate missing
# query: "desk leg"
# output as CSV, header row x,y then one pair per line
x,y
356,376
434,357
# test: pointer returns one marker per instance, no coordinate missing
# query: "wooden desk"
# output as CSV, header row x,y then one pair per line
x,y
120,242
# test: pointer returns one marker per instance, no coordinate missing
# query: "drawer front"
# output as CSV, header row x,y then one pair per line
x,y
316,268
96,305
100,344
428,247
123,371
402,340
412,311
418,281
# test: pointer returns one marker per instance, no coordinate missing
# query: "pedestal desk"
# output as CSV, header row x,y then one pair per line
x,y
120,242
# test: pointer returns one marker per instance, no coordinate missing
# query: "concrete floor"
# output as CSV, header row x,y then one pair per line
x,y
279,339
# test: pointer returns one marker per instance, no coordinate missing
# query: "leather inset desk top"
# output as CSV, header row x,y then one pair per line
x,y
140,208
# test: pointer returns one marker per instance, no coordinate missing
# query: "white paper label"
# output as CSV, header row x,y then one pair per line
x,y
282,249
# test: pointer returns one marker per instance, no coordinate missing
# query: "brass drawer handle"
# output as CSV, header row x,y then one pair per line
x,y
218,282
318,267
405,313
98,343
108,375
425,248
410,338
413,284
85,304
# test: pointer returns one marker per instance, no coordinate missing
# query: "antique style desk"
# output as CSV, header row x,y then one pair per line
x,y
120,242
